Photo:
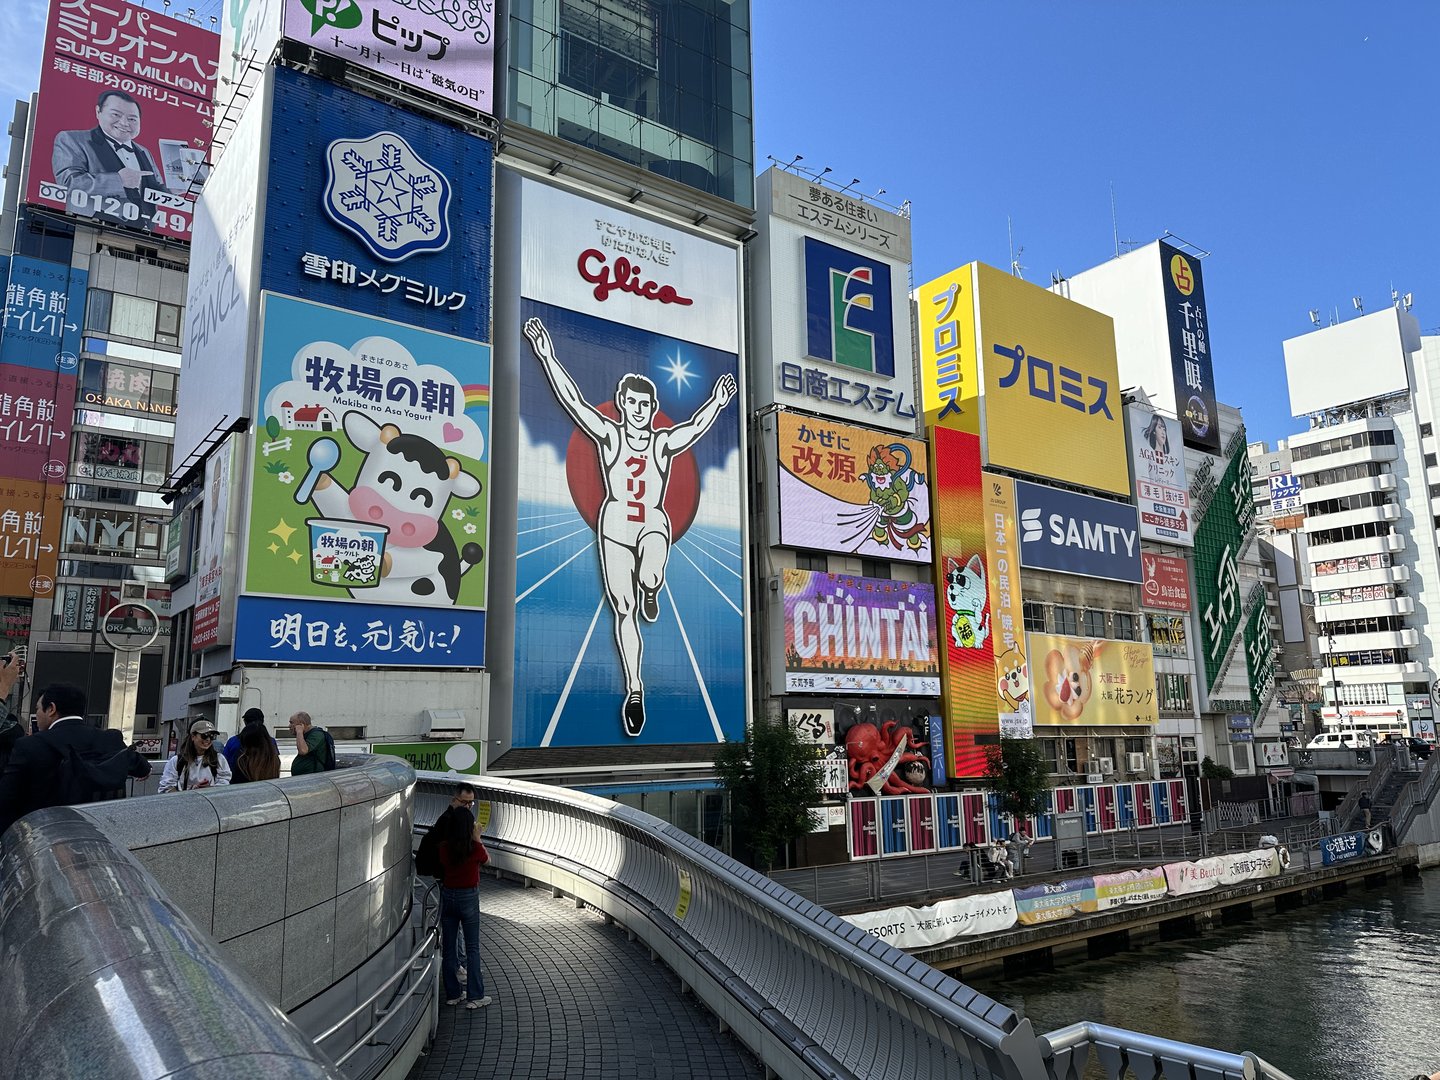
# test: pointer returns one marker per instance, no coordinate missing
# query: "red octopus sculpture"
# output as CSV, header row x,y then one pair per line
x,y
870,749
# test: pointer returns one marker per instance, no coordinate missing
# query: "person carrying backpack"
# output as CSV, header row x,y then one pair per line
x,y
198,764
67,761
314,748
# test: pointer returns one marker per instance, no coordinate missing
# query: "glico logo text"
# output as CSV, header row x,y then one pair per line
x,y
624,276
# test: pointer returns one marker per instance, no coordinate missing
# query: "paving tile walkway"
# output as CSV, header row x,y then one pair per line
x,y
574,997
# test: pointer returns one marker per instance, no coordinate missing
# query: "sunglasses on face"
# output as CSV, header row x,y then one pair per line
x,y
208,737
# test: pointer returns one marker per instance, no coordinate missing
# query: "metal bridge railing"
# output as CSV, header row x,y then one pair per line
x,y
809,993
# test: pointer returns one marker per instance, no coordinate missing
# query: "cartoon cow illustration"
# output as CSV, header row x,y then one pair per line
x,y
405,483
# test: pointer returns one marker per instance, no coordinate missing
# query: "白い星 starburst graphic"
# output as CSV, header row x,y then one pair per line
x,y
678,371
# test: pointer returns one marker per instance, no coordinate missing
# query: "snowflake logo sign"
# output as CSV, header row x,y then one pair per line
x,y
395,201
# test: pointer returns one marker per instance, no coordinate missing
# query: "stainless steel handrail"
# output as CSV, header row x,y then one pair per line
x,y
1124,1045
428,940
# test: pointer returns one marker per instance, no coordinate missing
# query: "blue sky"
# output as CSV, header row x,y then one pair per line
x,y
1294,141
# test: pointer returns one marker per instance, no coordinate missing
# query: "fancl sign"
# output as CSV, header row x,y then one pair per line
x,y
1077,534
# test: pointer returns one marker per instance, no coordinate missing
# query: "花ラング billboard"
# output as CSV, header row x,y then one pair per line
x,y
966,624
1190,360
847,489
844,632
630,597
1162,493
829,305
122,129
443,49
1052,404
368,493
1077,534
1082,681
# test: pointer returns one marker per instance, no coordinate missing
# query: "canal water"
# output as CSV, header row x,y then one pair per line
x,y
1346,989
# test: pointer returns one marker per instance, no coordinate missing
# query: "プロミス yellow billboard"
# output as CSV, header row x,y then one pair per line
x,y
1052,402
949,374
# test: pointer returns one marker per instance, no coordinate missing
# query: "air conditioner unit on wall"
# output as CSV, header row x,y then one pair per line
x,y
1135,762
1106,765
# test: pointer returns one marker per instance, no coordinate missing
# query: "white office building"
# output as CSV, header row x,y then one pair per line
x,y
1370,483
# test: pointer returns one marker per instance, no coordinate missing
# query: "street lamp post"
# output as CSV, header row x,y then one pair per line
x,y
1335,687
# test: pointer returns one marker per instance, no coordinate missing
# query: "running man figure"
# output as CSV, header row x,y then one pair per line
x,y
632,527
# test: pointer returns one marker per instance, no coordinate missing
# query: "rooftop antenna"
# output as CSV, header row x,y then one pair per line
x,y
1015,268
1407,301
1359,304
1315,316
1115,223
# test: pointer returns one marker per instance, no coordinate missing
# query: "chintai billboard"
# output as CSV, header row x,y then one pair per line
x,y
844,632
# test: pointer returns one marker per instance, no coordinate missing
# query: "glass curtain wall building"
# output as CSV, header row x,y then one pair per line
x,y
661,84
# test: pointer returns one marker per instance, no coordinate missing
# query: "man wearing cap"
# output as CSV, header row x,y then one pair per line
x,y
232,745
31,779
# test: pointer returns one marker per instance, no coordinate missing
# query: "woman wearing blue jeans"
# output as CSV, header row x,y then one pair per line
x,y
461,855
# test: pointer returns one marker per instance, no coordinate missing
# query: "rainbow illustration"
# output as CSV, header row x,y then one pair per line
x,y
477,395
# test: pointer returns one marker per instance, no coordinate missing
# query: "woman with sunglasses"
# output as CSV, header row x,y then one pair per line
x,y
198,764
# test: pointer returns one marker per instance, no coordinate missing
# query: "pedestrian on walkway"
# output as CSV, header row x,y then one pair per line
x,y
197,764
1365,807
258,759
314,752
252,717
461,854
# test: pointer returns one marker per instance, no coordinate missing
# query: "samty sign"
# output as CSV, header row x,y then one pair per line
x,y
852,633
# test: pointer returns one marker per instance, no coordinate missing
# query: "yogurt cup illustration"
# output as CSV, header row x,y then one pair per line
x,y
346,554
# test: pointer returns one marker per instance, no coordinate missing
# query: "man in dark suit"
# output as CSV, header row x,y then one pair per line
x,y
32,775
107,163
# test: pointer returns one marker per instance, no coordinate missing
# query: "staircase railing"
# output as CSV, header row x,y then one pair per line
x,y
1414,797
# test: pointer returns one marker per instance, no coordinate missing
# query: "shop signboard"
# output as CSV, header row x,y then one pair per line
x,y
1002,550
1165,582
852,490
1162,492
1191,363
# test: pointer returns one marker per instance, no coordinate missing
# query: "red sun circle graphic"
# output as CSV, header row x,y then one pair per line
x,y
587,485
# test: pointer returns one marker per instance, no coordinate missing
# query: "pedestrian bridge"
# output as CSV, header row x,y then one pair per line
x,y
275,929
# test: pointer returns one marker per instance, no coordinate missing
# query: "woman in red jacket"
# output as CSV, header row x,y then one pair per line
x,y
461,855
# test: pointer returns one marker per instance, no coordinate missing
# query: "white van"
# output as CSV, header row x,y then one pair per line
x,y
1350,740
